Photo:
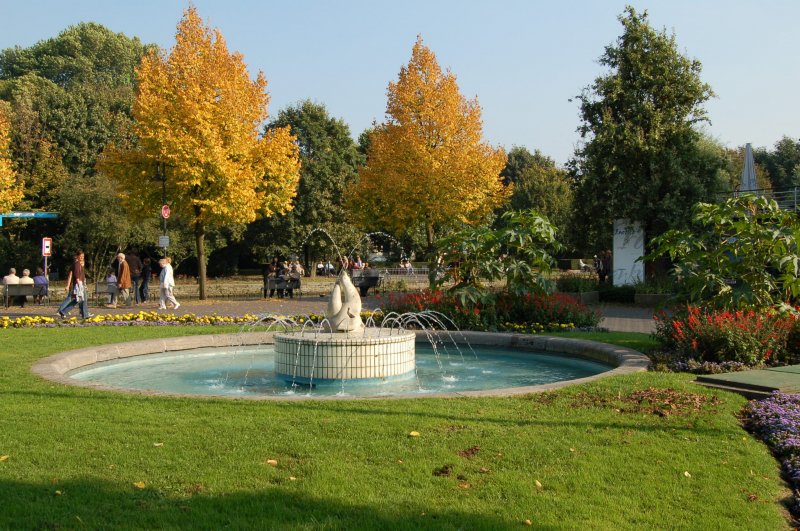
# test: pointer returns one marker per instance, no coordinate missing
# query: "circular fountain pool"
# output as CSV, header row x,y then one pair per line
x,y
243,366
251,371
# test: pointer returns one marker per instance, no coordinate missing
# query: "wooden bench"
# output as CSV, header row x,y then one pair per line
x,y
19,290
102,289
281,285
364,279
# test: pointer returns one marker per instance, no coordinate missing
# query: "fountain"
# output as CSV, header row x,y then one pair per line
x,y
343,348
340,357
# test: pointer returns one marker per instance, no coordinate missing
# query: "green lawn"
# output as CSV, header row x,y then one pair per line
x,y
78,457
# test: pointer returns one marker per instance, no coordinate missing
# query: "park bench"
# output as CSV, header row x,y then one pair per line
x,y
364,279
282,285
102,289
19,290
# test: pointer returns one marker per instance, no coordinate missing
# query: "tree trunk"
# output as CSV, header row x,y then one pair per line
x,y
431,252
429,236
200,241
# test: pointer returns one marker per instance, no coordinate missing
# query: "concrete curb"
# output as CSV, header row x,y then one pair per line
x,y
57,367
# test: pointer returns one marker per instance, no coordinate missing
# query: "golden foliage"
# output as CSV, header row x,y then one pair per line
x,y
198,111
428,164
11,191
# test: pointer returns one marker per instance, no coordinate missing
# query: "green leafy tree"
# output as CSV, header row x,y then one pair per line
x,y
736,254
79,88
782,164
96,222
539,185
518,250
329,161
69,96
639,159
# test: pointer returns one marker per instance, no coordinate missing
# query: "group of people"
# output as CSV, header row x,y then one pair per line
x,y
354,264
603,265
326,270
128,280
127,273
406,267
39,283
278,276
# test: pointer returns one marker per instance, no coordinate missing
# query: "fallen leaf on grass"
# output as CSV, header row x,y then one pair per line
x,y
59,493
484,470
3,458
538,484
139,485
158,444
414,434
687,474
464,485
572,449
527,522
292,478
272,462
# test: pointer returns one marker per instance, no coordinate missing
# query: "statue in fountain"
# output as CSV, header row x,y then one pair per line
x,y
344,307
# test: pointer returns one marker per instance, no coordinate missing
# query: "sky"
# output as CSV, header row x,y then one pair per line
x,y
523,59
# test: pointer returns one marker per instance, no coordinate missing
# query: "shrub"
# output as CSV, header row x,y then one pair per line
x,y
507,311
576,283
656,285
719,336
621,294
757,268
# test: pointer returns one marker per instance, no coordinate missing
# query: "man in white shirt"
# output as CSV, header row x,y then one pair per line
x,y
11,277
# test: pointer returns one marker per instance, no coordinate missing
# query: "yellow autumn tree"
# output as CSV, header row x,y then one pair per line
x,y
198,114
427,165
10,190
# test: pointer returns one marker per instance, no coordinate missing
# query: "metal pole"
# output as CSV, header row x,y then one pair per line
x,y
164,202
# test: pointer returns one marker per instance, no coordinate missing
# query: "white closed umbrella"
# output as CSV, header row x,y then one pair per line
x,y
748,183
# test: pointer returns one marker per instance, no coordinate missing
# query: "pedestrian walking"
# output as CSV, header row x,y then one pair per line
x,y
76,288
166,282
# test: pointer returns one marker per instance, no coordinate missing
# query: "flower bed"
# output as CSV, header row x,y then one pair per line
x,y
144,318
776,421
719,340
529,313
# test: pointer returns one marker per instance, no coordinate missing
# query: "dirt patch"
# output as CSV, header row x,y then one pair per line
x,y
443,471
653,401
466,453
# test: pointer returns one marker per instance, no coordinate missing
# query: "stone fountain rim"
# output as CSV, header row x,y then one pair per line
x,y
55,368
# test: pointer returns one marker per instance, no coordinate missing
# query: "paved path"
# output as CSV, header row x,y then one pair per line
x,y
622,318
758,383
616,317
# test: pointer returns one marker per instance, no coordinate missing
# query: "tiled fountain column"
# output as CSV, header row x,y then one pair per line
x,y
303,357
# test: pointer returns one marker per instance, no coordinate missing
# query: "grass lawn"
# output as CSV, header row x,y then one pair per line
x,y
595,456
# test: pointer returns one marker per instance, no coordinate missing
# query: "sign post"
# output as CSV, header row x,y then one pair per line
x,y
163,241
47,248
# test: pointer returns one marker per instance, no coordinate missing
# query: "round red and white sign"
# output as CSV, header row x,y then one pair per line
x,y
165,211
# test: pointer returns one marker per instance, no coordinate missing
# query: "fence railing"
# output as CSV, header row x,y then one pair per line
x,y
787,198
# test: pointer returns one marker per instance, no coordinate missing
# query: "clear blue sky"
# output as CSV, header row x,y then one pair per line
x,y
523,59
